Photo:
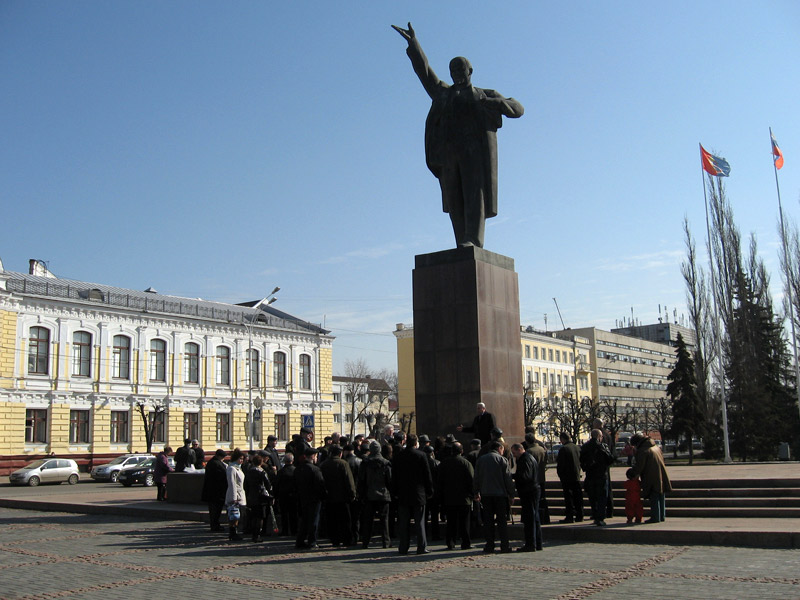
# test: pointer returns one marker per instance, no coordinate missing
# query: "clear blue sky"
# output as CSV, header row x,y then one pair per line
x,y
218,149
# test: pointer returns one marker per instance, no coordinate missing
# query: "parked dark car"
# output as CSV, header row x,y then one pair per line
x,y
142,473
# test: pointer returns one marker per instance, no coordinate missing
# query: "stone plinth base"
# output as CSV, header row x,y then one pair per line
x,y
467,341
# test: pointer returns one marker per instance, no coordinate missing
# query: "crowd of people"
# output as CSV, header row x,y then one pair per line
x,y
411,485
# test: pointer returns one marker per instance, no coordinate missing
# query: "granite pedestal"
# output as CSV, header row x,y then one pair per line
x,y
467,341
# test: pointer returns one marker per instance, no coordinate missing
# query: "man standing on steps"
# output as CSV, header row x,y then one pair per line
x,y
482,425
568,467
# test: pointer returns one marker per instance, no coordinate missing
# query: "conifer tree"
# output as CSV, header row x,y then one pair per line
x,y
688,415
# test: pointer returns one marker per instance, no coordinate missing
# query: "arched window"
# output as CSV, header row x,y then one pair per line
x,y
158,360
121,358
253,371
82,354
305,372
39,351
223,364
279,369
191,363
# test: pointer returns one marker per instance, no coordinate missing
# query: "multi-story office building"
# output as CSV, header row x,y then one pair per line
x,y
81,363
629,371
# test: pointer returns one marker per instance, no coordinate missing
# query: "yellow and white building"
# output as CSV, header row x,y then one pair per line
x,y
77,360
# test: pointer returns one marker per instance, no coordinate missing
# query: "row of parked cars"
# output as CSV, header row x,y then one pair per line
x,y
128,469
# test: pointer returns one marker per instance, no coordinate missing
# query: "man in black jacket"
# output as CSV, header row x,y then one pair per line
x,y
527,484
568,467
341,490
414,485
310,494
455,475
482,425
374,489
185,456
595,460
215,485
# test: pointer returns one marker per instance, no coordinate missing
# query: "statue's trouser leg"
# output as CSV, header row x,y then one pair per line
x,y
472,186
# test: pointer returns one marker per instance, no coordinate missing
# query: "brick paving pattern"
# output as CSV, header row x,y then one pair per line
x,y
46,555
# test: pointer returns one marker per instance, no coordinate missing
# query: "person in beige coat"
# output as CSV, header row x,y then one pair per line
x,y
649,465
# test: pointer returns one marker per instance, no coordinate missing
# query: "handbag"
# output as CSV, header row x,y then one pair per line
x,y
234,514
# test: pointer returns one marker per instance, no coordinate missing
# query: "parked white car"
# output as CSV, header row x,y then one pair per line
x,y
46,470
110,471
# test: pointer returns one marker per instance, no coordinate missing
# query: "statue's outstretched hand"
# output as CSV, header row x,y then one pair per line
x,y
408,34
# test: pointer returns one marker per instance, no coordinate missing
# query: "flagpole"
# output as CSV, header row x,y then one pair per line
x,y
789,281
720,372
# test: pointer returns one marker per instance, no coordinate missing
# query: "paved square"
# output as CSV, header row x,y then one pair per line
x,y
109,558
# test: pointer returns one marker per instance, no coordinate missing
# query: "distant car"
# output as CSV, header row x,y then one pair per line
x,y
46,470
141,473
110,471
552,453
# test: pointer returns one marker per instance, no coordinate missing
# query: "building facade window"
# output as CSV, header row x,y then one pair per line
x,y
158,360
224,427
279,370
223,365
253,375
79,426
281,427
191,425
191,363
39,351
159,427
36,426
527,351
82,354
119,426
305,372
536,352
121,357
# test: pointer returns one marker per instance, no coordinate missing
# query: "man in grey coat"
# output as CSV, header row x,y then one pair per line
x,y
494,488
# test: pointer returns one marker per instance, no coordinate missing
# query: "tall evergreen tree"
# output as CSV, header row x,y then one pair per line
x,y
688,414
761,386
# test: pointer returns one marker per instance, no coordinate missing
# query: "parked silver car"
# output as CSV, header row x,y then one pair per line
x,y
46,470
110,471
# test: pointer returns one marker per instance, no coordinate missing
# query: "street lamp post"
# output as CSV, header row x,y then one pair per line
x,y
269,299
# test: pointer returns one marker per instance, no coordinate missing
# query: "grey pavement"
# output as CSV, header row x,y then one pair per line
x,y
106,557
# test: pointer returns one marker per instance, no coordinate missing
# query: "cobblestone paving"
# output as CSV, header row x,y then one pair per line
x,y
59,555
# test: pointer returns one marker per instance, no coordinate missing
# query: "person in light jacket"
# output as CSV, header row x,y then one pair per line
x,y
235,496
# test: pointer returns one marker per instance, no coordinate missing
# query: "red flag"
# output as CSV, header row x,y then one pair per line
x,y
714,165
777,155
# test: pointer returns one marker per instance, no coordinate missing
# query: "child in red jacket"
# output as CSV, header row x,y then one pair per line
x,y
634,509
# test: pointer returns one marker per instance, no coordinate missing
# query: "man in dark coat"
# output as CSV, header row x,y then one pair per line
x,y
461,141
199,455
568,467
273,464
482,425
595,460
341,492
310,494
184,456
215,484
455,478
537,449
527,484
494,488
286,489
374,489
357,504
413,485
